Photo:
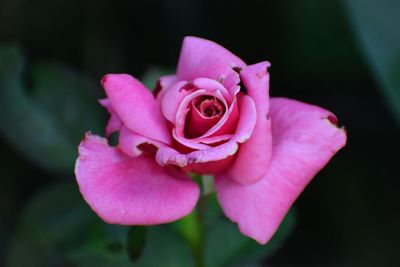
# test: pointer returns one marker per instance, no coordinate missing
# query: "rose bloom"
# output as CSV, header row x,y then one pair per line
x,y
214,116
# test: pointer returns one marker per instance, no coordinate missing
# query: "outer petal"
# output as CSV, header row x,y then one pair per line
x,y
304,141
204,58
114,123
136,106
258,149
131,191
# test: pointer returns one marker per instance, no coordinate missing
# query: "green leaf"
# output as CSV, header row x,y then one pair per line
x,y
51,222
161,247
226,246
46,122
98,259
69,98
10,186
57,228
313,40
190,229
164,247
376,25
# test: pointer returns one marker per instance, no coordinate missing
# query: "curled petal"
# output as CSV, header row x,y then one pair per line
x,y
197,122
172,100
114,124
304,141
131,191
181,119
134,145
167,156
136,106
204,58
173,97
212,85
163,84
258,149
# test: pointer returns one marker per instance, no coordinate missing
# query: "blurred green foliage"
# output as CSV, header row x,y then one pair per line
x,y
376,26
45,122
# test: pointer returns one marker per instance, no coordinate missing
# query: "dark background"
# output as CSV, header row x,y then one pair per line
x,y
348,216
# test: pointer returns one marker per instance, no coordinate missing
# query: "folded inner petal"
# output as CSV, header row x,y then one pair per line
x,y
205,112
204,58
258,148
245,127
183,115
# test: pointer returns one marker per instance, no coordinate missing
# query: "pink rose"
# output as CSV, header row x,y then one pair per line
x,y
263,151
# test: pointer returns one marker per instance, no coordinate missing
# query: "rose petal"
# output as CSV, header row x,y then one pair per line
x,y
181,118
133,144
304,141
258,149
204,58
114,123
163,84
225,126
167,156
197,123
172,99
136,106
212,85
131,191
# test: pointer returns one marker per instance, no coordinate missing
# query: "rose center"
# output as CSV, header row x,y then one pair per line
x,y
205,112
210,107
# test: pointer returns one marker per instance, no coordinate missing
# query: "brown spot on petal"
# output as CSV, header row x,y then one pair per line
x,y
147,148
157,88
103,80
188,86
237,69
332,119
191,159
241,85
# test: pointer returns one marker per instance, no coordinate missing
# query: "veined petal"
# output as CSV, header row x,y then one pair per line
x,y
131,190
136,106
304,141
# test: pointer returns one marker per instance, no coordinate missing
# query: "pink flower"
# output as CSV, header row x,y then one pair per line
x,y
263,151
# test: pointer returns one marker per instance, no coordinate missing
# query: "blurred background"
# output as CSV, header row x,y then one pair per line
x,y
341,55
